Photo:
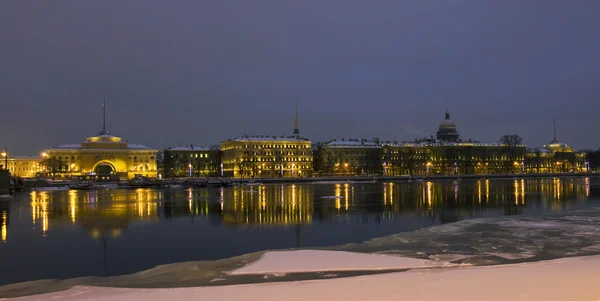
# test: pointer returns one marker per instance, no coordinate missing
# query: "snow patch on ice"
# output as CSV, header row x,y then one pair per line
x,y
319,261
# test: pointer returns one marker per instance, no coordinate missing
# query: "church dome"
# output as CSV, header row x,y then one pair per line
x,y
447,130
447,125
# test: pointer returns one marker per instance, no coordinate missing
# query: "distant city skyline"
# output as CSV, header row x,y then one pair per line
x,y
200,73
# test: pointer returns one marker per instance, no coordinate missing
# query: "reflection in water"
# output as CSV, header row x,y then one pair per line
x,y
100,213
4,221
108,213
278,204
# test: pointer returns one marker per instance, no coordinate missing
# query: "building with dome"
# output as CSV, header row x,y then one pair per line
x,y
105,156
447,130
447,154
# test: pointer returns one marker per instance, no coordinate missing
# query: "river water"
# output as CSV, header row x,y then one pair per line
x,y
66,234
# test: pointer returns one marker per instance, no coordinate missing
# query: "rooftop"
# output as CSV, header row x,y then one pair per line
x,y
354,143
191,148
267,138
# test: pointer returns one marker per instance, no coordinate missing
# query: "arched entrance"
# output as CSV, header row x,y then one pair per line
x,y
104,168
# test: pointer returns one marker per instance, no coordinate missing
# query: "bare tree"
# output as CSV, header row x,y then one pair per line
x,y
53,166
511,144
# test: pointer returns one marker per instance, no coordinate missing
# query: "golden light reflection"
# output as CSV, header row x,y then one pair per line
x,y
285,204
222,197
391,192
190,199
429,192
587,187
516,189
557,188
72,204
523,190
99,213
385,194
479,191
346,196
4,225
487,190
338,194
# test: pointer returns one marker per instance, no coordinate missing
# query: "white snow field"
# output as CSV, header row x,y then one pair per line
x,y
574,278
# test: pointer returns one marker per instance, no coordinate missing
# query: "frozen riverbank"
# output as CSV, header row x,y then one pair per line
x,y
562,279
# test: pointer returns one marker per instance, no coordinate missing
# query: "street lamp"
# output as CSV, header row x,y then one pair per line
x,y
190,167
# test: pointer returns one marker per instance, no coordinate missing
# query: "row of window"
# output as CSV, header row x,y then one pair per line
x,y
284,159
276,146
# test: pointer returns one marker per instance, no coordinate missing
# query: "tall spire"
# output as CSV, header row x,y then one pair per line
x,y
447,114
554,124
296,129
104,131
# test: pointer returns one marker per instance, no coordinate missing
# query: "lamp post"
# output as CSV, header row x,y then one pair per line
x,y
190,168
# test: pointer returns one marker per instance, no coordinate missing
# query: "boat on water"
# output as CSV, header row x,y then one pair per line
x,y
252,183
83,185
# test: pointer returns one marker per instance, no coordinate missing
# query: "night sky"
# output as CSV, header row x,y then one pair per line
x,y
204,71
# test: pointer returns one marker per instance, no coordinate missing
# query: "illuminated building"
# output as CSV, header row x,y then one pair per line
x,y
555,157
200,161
105,154
267,156
24,166
449,155
350,157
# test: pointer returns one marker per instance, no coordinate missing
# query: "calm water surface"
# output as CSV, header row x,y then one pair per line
x,y
64,234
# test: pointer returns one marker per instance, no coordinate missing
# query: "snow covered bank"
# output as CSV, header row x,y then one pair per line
x,y
562,279
318,261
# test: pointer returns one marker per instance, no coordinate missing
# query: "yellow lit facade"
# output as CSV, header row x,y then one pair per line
x,y
105,154
24,166
267,157
556,158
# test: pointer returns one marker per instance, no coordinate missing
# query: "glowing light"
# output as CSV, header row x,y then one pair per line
x,y
4,226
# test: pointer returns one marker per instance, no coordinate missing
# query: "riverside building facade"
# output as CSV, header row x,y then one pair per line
x,y
268,156
192,161
449,155
104,155
350,157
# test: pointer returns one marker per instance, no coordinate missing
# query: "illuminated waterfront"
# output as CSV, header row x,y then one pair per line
x,y
65,234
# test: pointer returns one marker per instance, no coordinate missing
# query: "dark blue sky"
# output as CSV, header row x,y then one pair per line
x,y
203,71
